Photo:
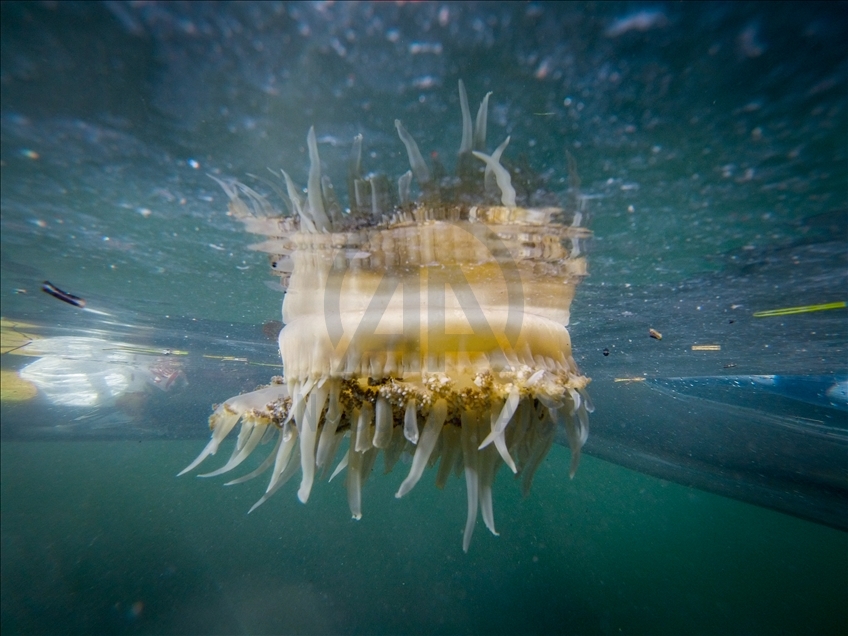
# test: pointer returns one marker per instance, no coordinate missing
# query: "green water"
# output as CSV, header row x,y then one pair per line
x,y
101,537
718,131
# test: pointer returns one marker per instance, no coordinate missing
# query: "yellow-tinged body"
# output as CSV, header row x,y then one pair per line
x,y
436,328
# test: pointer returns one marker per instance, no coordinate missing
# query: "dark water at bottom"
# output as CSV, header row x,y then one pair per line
x,y
100,537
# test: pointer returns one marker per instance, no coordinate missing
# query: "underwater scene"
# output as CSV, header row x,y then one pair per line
x,y
423,318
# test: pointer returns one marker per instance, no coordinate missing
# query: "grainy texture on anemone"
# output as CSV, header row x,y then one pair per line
x,y
433,326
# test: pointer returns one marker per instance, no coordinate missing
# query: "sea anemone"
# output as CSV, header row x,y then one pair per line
x,y
433,326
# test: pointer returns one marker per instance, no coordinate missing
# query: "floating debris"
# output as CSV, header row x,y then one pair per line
x,y
788,311
54,291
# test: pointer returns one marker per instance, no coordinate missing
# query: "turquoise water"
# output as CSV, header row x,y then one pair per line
x,y
711,142
91,529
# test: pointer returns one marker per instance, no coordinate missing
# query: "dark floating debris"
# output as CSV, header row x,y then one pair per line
x,y
54,291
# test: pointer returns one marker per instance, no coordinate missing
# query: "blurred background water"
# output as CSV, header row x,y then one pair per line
x,y
712,142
